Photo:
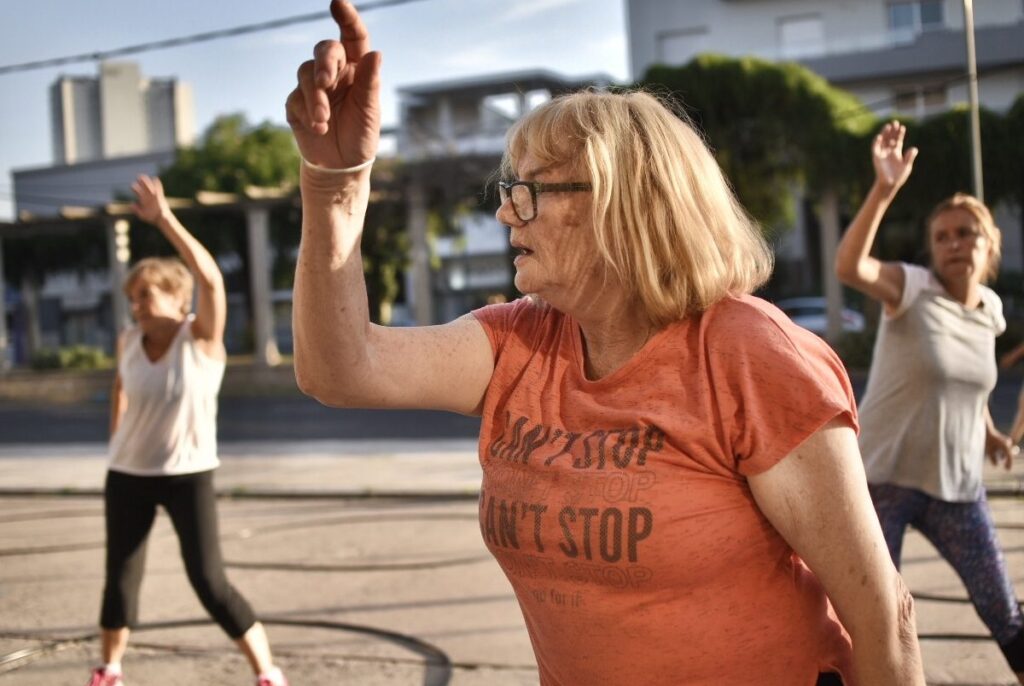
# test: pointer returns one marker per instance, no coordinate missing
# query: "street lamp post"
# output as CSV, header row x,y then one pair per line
x,y
972,99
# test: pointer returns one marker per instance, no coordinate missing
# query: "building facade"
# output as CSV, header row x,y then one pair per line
x,y
899,57
106,130
118,113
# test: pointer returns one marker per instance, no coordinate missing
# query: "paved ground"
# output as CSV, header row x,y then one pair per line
x,y
360,590
363,556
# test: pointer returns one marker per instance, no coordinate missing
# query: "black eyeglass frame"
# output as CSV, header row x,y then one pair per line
x,y
539,187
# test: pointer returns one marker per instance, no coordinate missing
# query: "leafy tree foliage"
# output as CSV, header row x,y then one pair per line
x,y
770,125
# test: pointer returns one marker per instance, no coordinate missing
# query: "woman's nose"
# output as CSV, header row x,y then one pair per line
x,y
506,214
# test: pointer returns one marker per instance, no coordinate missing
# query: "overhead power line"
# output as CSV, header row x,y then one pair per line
x,y
194,38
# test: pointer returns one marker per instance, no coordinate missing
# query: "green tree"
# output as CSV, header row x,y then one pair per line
x,y
231,156
771,125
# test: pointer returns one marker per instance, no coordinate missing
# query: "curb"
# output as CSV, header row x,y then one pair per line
x,y
250,494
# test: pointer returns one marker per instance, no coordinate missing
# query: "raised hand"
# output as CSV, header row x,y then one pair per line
x,y
892,164
334,111
150,203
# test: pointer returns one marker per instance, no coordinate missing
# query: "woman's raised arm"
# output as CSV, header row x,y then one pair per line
x,y
340,357
855,266
211,302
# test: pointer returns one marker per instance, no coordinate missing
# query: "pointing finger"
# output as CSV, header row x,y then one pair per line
x,y
354,35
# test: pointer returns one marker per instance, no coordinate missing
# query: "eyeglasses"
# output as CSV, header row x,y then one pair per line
x,y
963,234
524,194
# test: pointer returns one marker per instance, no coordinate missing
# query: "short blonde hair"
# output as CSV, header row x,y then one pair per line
x,y
977,209
666,221
166,273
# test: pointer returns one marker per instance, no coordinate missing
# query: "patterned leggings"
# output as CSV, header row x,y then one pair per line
x,y
965,536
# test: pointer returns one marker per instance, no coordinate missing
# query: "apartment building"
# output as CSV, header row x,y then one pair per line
x,y
904,56
899,57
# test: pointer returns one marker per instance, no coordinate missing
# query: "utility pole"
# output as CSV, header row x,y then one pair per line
x,y
972,99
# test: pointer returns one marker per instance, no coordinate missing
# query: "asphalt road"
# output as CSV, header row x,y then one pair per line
x,y
300,418
243,419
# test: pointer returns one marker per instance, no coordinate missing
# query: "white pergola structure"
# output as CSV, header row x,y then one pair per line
x,y
113,218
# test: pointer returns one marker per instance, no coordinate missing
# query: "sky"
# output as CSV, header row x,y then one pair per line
x,y
421,42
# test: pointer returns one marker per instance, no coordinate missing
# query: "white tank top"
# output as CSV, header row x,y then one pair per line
x,y
170,424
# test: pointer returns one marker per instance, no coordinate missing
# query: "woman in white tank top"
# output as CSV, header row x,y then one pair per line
x,y
163,446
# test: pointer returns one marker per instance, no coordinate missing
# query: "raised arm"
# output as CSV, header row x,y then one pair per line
x,y
855,266
340,357
211,302
817,498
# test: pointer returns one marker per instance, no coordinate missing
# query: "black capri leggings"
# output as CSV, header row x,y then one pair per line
x,y
189,499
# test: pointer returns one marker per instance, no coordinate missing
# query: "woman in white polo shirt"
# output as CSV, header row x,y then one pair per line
x,y
163,446
925,424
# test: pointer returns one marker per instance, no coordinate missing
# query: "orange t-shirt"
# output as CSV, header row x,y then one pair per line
x,y
620,511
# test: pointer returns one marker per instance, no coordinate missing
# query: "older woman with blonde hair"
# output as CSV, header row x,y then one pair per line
x,y
163,441
925,418
671,481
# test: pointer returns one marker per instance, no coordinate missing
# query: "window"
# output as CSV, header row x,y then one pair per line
x,y
907,18
901,16
801,36
931,14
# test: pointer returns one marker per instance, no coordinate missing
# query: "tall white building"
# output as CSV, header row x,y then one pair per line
x,y
118,113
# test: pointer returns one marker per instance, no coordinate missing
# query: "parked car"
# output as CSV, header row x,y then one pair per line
x,y
809,312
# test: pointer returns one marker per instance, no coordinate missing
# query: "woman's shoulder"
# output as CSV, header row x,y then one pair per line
x,y
523,313
746,315
754,329
521,322
993,305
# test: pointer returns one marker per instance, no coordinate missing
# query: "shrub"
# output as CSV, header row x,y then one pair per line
x,y
72,357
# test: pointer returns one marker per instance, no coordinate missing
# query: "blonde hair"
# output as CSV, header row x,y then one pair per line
x,y
666,222
981,213
166,273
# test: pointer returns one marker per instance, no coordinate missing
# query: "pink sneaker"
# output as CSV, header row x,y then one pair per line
x,y
101,677
264,681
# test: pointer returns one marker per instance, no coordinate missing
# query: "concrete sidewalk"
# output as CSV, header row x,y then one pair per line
x,y
405,468
376,575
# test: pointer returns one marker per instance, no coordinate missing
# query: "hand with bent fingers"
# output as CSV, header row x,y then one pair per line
x,y
150,204
334,111
892,165
1000,448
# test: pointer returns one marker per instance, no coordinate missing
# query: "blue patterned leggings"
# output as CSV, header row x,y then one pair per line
x,y
965,536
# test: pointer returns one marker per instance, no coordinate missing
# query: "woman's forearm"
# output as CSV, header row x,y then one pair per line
x,y
196,257
854,252
885,645
330,313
